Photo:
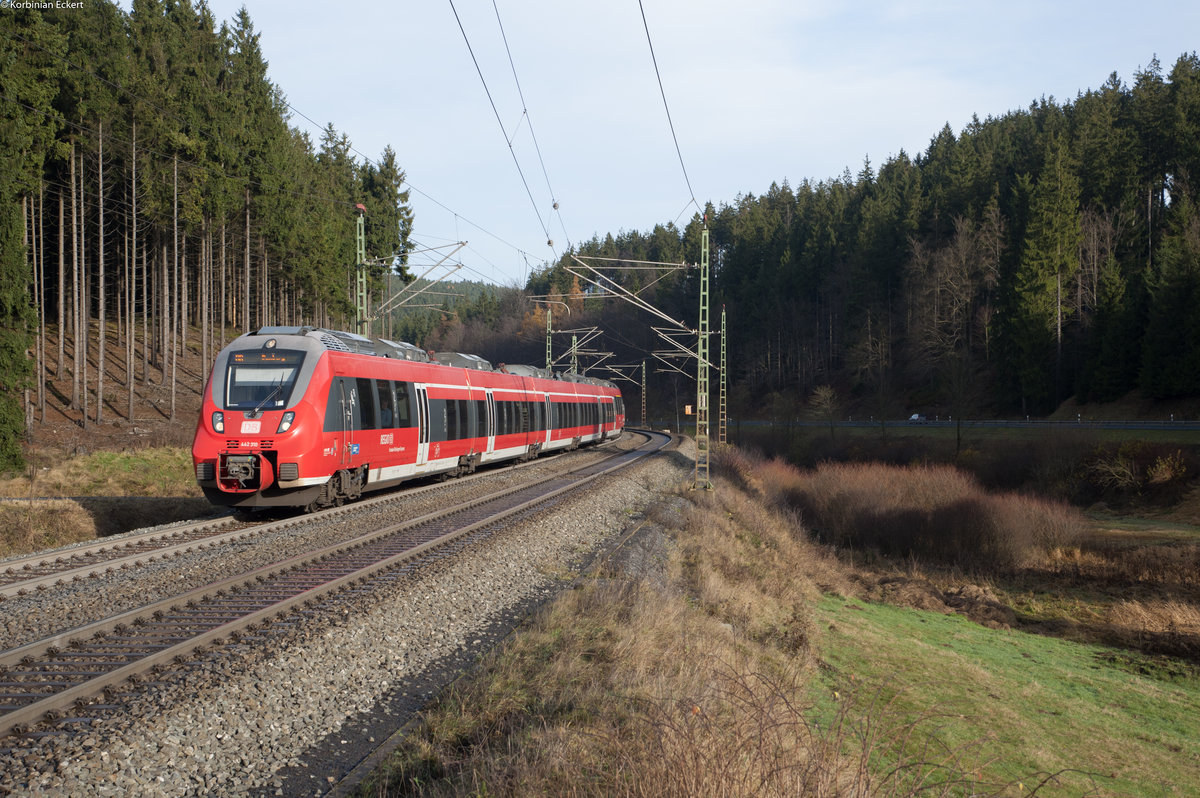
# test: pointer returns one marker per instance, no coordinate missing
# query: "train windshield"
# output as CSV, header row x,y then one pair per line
x,y
261,379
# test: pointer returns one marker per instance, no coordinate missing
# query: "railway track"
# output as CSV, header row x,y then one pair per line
x,y
19,576
57,673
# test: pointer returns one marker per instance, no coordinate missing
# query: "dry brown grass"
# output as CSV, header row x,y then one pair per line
x,y
27,527
65,499
1169,627
702,687
1174,567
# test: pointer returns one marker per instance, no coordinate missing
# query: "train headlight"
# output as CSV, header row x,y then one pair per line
x,y
218,421
285,423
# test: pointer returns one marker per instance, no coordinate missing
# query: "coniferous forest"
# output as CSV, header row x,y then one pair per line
x,y
154,189
1047,253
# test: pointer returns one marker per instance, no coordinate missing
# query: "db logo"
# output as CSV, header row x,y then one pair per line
x,y
386,440
437,449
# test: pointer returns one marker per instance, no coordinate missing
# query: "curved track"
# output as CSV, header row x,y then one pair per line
x,y
68,668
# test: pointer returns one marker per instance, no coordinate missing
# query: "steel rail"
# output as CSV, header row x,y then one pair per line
x,y
50,671
29,572
44,570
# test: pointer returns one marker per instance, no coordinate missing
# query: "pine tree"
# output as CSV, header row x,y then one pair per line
x,y
1049,260
1171,360
28,73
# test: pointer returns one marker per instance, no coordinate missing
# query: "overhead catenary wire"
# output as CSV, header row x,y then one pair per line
x,y
532,135
500,121
667,108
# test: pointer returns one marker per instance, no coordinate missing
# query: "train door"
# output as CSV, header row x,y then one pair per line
x,y
491,422
549,422
422,425
348,397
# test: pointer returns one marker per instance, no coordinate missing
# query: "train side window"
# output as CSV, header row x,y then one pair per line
x,y
464,418
334,410
386,401
437,420
365,402
403,408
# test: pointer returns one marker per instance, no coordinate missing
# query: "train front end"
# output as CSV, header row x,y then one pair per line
x,y
260,423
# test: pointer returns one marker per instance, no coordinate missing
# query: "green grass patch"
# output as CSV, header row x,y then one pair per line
x,y
164,471
1106,720
1133,531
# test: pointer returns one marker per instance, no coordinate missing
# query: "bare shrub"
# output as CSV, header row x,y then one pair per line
x,y
936,512
1137,469
1115,472
1167,468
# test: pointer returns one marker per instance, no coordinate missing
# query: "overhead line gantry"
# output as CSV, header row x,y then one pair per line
x,y
700,476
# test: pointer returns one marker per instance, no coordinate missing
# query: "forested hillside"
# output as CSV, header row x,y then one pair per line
x,y
1045,253
152,188
155,196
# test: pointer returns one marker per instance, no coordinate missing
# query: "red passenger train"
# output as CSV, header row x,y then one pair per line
x,y
308,417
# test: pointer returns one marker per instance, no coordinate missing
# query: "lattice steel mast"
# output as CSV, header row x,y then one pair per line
x,y
700,478
644,395
361,324
721,420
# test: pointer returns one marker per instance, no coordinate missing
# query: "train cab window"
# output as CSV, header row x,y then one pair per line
x,y
261,379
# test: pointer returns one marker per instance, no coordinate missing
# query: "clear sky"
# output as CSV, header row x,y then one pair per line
x,y
760,91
